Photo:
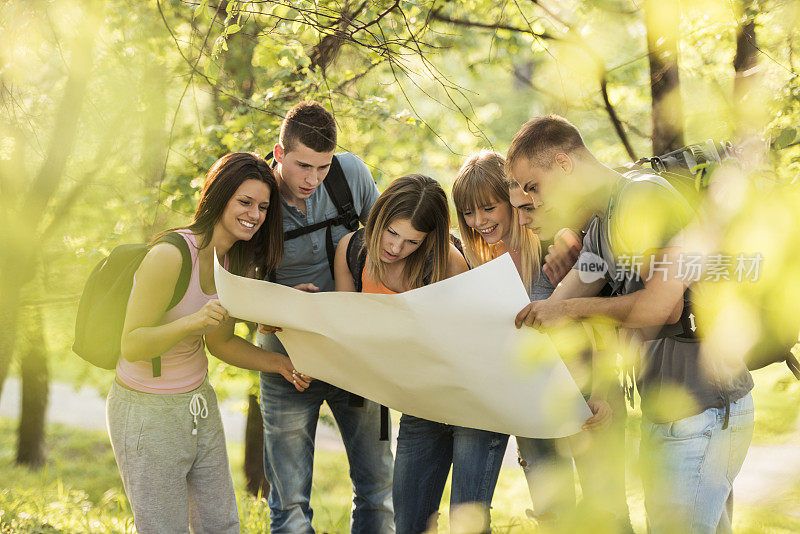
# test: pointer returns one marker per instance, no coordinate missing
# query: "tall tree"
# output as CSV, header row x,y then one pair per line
x,y
21,232
745,66
35,389
662,19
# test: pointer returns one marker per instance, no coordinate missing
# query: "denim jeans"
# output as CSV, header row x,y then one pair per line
x,y
689,466
290,424
425,452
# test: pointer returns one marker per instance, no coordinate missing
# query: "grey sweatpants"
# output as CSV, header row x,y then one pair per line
x,y
173,478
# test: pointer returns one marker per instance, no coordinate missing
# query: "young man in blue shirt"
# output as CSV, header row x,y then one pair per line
x,y
304,158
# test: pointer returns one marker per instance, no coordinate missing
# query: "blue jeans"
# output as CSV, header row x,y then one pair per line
x,y
425,451
689,466
290,424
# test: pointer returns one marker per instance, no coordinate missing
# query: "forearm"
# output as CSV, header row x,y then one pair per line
x,y
572,287
238,352
148,342
635,310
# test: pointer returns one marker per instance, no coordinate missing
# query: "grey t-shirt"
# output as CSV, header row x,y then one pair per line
x,y
305,258
541,288
672,380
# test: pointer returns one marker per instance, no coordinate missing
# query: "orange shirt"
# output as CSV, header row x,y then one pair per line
x,y
370,286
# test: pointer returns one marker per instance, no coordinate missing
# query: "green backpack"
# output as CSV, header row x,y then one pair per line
x,y
104,301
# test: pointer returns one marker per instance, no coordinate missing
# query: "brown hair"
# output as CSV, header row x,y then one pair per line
x,y
310,124
541,138
421,200
264,250
481,180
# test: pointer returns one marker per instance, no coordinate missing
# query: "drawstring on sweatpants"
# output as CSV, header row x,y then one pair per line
x,y
198,406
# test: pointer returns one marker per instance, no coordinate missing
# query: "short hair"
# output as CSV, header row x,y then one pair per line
x,y
541,138
310,124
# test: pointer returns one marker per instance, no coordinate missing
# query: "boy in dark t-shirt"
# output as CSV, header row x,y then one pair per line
x,y
697,408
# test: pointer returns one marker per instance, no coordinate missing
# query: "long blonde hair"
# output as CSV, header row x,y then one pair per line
x,y
481,180
422,201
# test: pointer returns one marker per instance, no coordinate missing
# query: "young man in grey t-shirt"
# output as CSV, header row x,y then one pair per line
x,y
697,412
303,156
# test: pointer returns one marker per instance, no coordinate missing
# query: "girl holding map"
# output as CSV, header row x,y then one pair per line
x,y
490,227
406,244
163,419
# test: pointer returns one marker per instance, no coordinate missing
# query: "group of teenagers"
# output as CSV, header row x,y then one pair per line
x,y
166,430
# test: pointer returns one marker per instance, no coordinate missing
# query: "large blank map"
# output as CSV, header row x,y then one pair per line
x,y
448,352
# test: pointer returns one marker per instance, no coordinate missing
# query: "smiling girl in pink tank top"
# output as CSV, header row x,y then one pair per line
x,y
166,430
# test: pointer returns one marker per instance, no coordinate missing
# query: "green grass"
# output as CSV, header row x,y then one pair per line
x,y
776,397
79,489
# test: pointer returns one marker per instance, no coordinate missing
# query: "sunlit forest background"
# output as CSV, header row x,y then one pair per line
x,y
113,110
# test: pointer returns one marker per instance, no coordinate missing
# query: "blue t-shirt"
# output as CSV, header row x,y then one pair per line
x,y
305,258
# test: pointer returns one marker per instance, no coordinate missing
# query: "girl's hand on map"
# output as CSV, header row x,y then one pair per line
x,y
602,414
308,288
298,379
268,329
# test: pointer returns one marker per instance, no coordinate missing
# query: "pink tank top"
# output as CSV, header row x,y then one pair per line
x,y
184,366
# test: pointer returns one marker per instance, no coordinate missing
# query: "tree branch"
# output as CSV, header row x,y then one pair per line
x,y
437,15
66,125
612,114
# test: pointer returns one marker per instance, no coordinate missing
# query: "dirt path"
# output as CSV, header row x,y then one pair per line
x,y
768,472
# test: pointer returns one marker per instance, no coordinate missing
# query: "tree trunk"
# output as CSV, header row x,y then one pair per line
x,y
239,60
254,449
9,314
155,140
662,19
156,136
744,64
254,437
20,241
35,389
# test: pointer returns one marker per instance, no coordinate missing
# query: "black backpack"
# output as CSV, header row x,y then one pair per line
x,y
336,185
104,301
685,172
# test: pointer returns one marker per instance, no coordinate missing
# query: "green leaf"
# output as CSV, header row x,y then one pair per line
x,y
211,70
233,28
200,11
785,138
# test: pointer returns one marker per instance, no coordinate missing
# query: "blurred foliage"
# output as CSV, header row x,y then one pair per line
x,y
415,86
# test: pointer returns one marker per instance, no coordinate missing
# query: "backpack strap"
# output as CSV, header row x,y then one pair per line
x,y
457,243
177,240
339,190
684,327
356,257
342,197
